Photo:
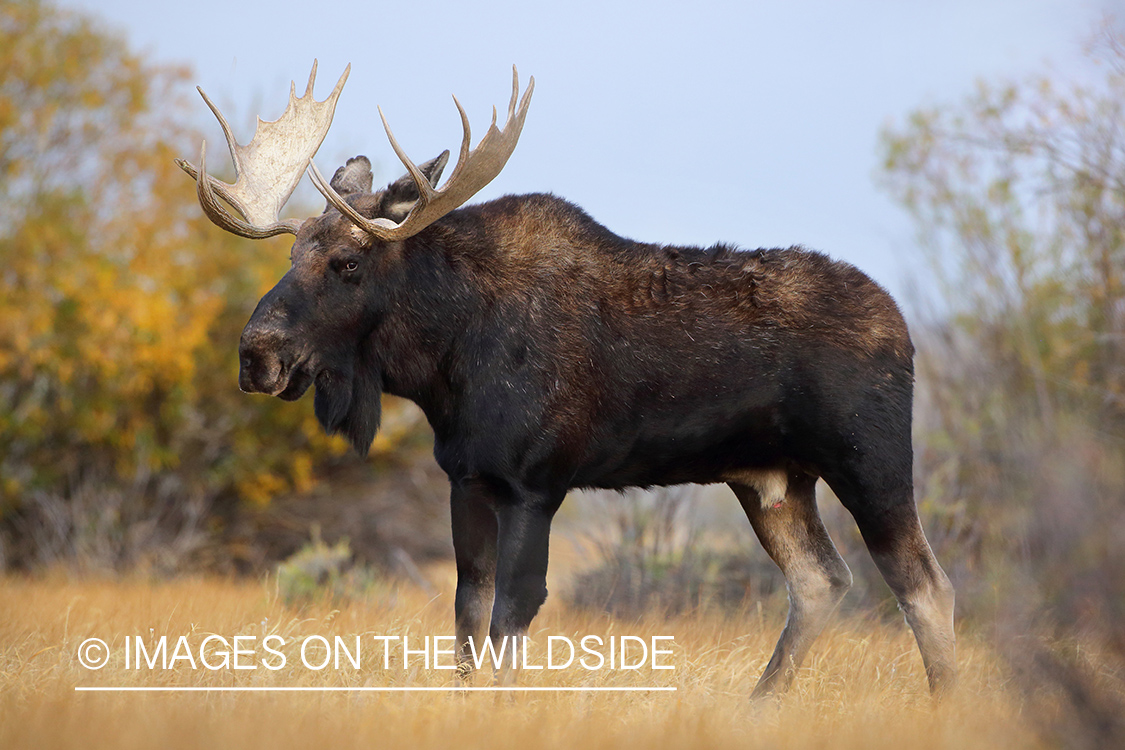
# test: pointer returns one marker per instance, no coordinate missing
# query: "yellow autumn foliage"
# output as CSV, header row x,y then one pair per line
x,y
120,304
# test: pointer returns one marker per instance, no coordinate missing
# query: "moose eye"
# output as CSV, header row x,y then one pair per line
x,y
351,265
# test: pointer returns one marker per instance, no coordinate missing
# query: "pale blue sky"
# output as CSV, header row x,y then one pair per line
x,y
754,123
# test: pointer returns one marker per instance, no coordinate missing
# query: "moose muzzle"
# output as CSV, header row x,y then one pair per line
x,y
265,365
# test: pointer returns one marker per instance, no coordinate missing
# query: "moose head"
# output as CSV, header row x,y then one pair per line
x,y
313,326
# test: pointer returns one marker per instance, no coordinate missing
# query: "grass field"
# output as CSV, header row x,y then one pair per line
x,y
863,685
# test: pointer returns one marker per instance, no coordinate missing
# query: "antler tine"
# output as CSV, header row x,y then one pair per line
x,y
466,137
312,77
227,132
424,190
515,93
269,167
475,169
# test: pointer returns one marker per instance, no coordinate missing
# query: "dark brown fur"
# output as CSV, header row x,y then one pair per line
x,y
549,353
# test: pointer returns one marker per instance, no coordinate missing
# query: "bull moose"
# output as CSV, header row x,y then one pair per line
x,y
548,353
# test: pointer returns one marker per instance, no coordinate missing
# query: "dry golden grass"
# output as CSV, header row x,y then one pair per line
x,y
863,685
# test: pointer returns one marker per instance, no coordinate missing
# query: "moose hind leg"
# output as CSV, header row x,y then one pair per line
x,y
900,551
882,503
815,575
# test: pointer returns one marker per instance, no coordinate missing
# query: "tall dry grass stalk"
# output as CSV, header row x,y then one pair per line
x,y
862,687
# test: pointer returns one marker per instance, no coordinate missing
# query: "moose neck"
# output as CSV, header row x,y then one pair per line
x,y
427,308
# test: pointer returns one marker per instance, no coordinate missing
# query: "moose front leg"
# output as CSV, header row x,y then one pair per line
x,y
521,576
474,546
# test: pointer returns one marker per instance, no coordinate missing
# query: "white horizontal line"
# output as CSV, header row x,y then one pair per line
x,y
330,689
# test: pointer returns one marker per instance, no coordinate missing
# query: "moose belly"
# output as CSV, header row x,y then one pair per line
x,y
707,445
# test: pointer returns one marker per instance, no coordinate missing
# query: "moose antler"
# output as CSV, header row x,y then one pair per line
x,y
474,170
269,167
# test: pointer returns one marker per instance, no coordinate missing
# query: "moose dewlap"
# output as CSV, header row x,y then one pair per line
x,y
548,353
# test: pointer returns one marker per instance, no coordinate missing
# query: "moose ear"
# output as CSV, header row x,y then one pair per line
x,y
401,194
353,177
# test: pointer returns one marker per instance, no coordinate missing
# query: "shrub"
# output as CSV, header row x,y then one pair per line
x,y
318,571
649,561
121,306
